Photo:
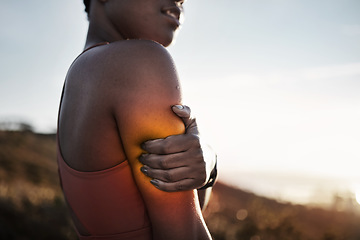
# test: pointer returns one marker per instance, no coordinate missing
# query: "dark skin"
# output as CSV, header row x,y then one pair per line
x,y
178,162
190,161
121,94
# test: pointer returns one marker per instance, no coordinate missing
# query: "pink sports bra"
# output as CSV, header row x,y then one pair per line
x,y
107,204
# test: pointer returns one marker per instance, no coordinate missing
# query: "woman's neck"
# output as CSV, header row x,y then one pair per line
x,y
100,28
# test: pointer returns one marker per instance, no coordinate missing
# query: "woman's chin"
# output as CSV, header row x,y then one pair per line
x,y
167,40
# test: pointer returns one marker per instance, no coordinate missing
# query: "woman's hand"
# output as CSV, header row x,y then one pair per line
x,y
178,162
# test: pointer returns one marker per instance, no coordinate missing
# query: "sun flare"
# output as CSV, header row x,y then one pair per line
x,y
357,195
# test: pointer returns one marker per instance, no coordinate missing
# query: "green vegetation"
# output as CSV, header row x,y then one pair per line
x,y
32,205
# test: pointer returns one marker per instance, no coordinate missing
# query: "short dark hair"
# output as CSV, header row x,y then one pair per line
x,y
87,5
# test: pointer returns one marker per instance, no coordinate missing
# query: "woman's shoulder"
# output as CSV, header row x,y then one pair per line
x,y
133,61
128,51
129,59
137,46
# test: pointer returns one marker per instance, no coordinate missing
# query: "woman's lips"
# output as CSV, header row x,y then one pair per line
x,y
168,12
172,13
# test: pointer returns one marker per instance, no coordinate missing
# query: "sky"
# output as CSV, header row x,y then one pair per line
x,y
274,84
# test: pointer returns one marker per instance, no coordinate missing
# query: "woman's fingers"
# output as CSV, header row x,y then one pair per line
x,y
172,144
177,162
184,113
187,177
192,158
183,185
172,175
164,162
176,143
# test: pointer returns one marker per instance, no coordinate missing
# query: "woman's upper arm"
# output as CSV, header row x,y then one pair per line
x,y
146,87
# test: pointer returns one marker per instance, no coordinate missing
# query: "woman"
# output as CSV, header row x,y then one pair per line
x,y
117,95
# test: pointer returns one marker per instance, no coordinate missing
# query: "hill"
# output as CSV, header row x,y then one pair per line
x,y
236,214
32,206
31,202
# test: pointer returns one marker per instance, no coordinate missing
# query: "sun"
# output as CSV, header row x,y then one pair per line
x,y
357,195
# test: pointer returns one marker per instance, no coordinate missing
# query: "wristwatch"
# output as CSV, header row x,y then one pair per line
x,y
212,179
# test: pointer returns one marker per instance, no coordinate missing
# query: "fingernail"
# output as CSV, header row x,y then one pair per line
x,y
179,106
144,170
156,140
153,141
155,183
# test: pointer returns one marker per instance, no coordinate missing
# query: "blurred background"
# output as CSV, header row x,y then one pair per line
x,y
275,88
